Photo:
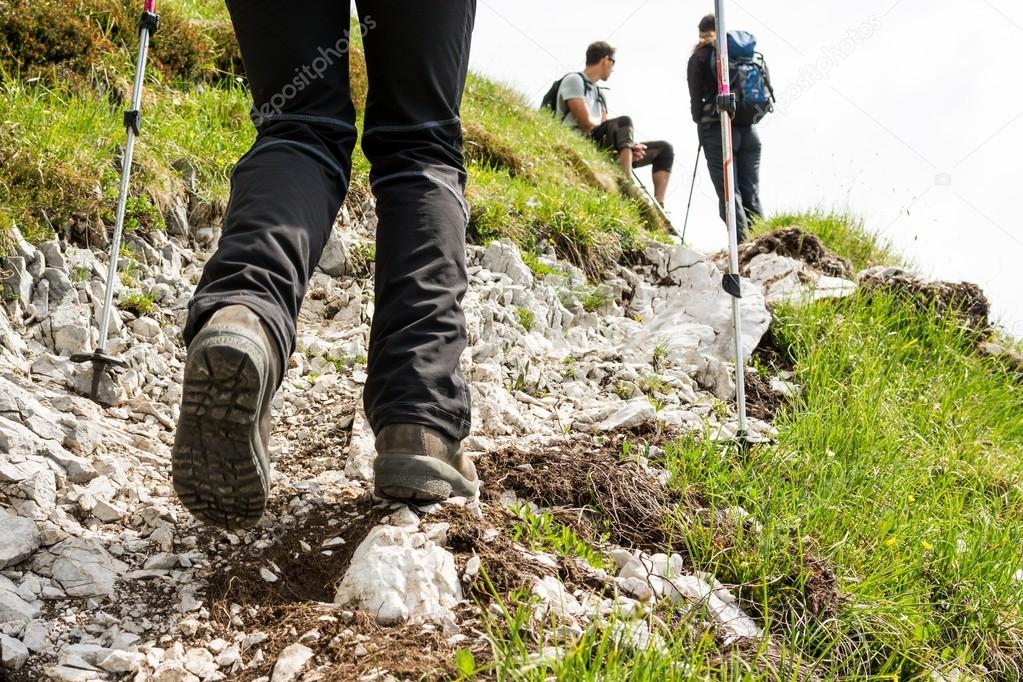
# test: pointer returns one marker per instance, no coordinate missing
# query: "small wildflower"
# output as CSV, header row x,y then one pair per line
x,y
891,542
927,546
912,498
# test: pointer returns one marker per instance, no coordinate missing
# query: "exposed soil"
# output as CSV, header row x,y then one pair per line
x,y
963,300
793,242
325,435
630,502
762,401
773,354
237,578
350,643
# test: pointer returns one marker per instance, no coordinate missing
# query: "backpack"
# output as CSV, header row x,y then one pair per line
x,y
749,78
550,100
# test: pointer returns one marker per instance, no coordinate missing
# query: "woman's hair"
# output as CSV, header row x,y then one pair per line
x,y
708,31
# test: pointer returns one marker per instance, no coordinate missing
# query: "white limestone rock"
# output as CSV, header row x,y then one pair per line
x,y
361,450
19,538
635,412
172,671
555,600
291,662
146,327
788,280
14,654
83,567
13,608
503,256
398,574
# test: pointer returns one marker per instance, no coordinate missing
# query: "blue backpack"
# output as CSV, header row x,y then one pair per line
x,y
749,78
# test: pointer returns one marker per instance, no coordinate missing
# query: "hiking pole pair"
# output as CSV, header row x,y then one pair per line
x,y
149,22
731,283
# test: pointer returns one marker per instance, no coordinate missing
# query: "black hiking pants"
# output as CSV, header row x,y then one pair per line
x,y
615,134
746,154
287,189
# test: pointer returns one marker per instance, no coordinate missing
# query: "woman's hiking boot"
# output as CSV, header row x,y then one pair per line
x,y
220,466
418,464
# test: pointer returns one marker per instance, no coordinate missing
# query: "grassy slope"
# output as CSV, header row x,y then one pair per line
x,y
62,90
891,506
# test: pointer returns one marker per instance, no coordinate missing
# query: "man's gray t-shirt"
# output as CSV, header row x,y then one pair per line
x,y
574,86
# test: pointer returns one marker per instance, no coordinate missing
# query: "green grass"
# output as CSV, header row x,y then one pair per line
x,y
887,517
138,303
543,533
900,467
61,148
527,318
535,181
63,88
843,234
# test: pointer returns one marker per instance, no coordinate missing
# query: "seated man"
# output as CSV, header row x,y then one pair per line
x,y
581,105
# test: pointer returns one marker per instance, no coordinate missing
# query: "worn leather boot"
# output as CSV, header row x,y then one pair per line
x,y
417,463
220,465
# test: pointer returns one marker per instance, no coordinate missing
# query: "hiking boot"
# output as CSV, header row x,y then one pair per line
x,y
219,462
417,463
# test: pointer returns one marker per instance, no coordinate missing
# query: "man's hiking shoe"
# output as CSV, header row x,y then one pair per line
x,y
418,464
220,466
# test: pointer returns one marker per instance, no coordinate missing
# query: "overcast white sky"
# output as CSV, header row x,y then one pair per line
x,y
896,110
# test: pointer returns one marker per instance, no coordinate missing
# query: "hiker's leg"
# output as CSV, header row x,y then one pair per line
x,y
710,136
661,156
601,135
625,160
747,168
616,134
287,189
661,180
417,55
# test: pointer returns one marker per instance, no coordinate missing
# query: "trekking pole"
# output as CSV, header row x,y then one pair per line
x,y
731,281
149,22
650,197
692,186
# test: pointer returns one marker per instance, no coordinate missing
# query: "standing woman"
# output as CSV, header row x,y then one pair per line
x,y
703,90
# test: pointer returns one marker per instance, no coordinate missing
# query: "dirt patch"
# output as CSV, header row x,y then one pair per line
x,y
503,567
762,401
303,574
318,444
632,504
349,645
773,354
963,300
795,243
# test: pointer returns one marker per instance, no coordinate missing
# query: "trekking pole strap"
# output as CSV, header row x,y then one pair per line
x,y
133,120
731,283
727,102
149,21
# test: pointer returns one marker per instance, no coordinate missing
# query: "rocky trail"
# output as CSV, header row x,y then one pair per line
x,y
104,576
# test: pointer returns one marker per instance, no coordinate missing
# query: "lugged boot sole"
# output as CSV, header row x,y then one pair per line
x,y
220,471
